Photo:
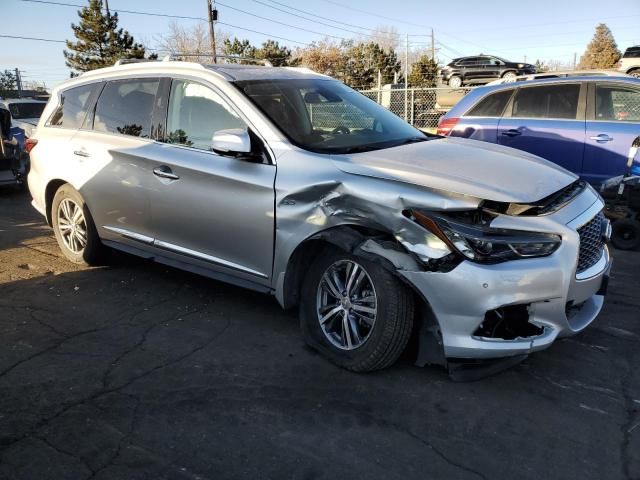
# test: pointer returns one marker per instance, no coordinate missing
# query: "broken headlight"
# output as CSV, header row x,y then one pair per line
x,y
480,243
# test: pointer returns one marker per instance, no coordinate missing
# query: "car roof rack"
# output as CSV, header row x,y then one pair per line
x,y
125,61
178,56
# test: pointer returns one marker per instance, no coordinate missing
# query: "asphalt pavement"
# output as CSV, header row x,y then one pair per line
x,y
139,371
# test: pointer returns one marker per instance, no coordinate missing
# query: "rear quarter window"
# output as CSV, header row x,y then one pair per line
x,y
72,107
633,52
491,106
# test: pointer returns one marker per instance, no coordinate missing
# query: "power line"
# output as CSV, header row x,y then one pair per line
x,y
134,12
32,38
278,22
374,14
318,16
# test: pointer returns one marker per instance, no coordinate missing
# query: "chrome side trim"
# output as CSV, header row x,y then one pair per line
x,y
597,268
129,234
205,257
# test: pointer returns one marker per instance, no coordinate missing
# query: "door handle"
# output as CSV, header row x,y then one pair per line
x,y
603,137
82,153
165,172
512,133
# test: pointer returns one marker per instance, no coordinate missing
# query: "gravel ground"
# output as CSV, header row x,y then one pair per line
x,y
138,371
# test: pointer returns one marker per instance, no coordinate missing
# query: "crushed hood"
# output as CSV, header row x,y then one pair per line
x,y
468,167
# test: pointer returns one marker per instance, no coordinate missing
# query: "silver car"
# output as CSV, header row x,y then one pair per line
x,y
290,183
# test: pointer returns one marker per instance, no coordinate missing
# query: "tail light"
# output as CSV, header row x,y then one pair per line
x,y
445,125
29,143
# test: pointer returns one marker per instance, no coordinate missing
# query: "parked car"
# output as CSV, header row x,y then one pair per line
x,y
561,74
584,124
25,112
482,69
630,61
13,161
374,230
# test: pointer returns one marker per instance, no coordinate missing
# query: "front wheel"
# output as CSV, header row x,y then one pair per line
x,y
455,82
74,228
635,73
355,312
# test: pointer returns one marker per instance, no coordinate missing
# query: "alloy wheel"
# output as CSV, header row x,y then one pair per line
x,y
72,225
346,304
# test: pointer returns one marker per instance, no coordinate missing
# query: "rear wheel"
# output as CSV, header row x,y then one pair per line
x,y
625,234
635,73
355,312
455,82
74,228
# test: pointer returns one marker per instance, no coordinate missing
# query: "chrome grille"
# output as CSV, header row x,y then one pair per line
x,y
591,242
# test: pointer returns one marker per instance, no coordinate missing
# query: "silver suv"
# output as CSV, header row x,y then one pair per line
x,y
290,183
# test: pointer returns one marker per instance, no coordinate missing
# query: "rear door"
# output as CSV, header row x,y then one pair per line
x,y
472,68
111,151
613,122
216,210
548,121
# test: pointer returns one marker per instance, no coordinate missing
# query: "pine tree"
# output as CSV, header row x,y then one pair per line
x,y
100,43
8,83
274,53
424,72
239,48
602,51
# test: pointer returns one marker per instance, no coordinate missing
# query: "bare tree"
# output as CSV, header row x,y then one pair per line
x,y
386,36
185,42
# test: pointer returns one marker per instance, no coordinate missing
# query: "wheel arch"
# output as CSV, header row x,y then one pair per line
x,y
50,191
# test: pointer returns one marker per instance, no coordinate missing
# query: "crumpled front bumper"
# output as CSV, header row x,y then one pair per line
x,y
559,301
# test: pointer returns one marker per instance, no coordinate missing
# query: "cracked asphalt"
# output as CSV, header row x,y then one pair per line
x,y
137,371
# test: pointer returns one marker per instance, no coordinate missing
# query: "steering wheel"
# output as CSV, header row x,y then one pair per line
x,y
341,130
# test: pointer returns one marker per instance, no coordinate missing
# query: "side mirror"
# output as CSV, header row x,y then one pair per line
x,y
232,141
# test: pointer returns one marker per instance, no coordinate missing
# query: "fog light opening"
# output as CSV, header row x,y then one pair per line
x,y
508,323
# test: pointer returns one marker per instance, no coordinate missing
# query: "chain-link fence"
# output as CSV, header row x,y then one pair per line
x,y
421,107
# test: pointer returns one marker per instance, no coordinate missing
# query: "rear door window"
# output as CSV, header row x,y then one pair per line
x,y
548,101
617,103
126,107
492,105
72,109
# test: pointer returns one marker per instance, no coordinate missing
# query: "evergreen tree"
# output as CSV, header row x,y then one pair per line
x,y
424,72
8,83
541,67
602,51
239,48
364,62
100,43
274,53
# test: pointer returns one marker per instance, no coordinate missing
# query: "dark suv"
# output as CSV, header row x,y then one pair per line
x,y
483,69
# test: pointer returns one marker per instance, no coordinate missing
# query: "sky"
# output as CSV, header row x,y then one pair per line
x,y
529,30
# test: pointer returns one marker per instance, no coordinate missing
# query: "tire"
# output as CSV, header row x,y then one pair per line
x,y
89,252
455,81
626,234
509,77
634,73
381,341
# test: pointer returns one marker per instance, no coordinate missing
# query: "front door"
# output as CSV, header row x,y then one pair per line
x,y
613,124
215,210
547,120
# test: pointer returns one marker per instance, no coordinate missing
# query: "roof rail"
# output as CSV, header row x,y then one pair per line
x,y
178,56
125,61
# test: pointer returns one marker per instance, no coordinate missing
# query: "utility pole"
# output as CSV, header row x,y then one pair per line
x,y
406,79
575,58
433,46
106,5
18,83
213,16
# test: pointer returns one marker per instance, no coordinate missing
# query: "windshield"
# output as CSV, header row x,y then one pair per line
x,y
327,116
26,110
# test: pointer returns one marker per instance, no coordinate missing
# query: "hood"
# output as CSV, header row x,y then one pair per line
x,y
468,167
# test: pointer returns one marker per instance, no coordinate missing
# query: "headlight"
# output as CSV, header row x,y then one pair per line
x,y
483,244
520,65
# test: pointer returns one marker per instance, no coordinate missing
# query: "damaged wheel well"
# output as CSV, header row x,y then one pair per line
x,y
382,248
